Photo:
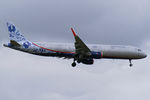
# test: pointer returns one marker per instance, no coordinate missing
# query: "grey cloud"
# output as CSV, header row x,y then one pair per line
x,y
96,21
29,77
25,76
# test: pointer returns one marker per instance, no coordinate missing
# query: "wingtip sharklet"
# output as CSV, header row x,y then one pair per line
x,y
73,32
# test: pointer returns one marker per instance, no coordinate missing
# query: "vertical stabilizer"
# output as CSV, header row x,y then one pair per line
x,y
16,38
14,33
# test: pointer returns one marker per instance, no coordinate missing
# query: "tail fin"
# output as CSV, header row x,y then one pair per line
x,y
14,33
16,38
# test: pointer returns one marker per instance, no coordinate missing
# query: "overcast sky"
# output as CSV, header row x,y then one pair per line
x,y
29,77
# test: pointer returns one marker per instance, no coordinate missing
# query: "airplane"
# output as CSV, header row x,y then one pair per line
x,y
79,51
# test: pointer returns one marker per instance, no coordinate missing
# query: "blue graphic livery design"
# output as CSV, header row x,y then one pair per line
x,y
11,28
9,45
15,34
26,44
10,35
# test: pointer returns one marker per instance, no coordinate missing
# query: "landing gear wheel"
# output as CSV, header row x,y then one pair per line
x,y
73,64
130,63
78,61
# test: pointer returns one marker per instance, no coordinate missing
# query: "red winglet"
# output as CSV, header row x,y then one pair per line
x,y
73,32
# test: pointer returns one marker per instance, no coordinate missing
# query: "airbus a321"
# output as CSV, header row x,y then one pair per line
x,y
79,51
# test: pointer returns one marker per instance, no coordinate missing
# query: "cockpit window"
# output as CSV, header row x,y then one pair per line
x,y
139,50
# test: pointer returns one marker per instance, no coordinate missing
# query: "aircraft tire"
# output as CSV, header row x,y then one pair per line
x,y
73,64
131,65
78,61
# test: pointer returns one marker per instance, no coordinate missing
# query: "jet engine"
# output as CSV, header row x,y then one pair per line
x,y
88,61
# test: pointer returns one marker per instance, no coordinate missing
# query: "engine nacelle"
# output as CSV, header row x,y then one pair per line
x,y
88,61
96,55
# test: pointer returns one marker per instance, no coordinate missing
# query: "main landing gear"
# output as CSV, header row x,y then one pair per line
x,y
130,63
74,62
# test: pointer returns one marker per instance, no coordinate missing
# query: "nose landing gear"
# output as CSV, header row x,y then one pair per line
x,y
130,63
74,63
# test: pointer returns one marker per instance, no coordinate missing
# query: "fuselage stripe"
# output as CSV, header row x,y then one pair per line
x,y
52,50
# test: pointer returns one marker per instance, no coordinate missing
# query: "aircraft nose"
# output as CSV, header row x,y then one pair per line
x,y
143,55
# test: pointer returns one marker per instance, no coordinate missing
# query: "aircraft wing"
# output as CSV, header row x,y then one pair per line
x,y
80,47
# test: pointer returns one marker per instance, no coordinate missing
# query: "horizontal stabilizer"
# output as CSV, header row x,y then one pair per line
x,y
14,43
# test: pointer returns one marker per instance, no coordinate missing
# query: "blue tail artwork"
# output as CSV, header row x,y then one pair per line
x,y
16,38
